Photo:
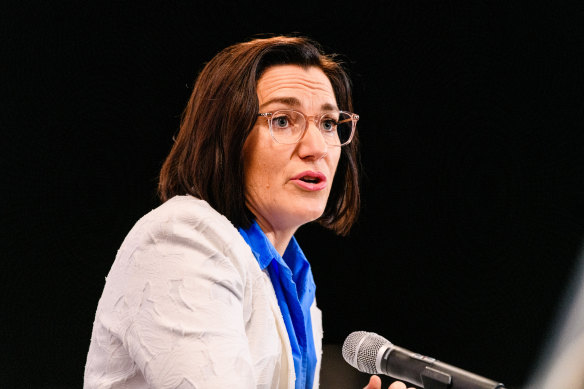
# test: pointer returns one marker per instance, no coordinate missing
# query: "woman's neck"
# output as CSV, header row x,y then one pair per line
x,y
279,237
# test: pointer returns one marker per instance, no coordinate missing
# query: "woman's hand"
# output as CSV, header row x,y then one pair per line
x,y
375,383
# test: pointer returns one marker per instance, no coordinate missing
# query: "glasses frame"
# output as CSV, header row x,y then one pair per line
x,y
316,119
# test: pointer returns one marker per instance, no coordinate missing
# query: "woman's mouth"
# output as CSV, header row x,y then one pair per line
x,y
310,180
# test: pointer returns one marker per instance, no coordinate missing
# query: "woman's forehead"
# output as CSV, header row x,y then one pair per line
x,y
295,82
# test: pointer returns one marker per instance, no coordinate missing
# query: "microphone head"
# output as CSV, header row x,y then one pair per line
x,y
361,350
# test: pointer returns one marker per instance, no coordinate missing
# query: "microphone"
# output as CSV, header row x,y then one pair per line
x,y
373,354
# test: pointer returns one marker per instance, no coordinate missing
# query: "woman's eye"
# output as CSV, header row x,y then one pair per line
x,y
281,122
328,124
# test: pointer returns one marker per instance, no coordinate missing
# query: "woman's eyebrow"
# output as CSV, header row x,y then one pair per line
x,y
328,107
295,103
291,101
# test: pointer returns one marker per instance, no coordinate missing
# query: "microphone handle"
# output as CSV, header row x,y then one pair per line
x,y
429,373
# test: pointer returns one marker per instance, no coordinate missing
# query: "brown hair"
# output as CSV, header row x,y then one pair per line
x,y
206,160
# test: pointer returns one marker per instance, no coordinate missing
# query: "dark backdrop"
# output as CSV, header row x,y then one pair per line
x,y
471,124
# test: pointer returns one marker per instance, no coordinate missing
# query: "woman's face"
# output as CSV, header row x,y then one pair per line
x,y
288,185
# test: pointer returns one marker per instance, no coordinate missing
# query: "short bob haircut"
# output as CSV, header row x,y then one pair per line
x,y
206,159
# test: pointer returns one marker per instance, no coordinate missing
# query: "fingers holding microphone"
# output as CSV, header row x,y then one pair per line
x,y
375,383
398,385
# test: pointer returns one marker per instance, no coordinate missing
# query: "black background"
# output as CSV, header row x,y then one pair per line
x,y
471,126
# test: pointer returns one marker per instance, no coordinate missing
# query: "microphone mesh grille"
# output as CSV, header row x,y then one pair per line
x,y
360,350
350,347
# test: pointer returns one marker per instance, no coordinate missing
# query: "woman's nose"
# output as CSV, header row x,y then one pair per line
x,y
312,144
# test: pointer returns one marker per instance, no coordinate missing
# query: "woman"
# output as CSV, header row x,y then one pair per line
x,y
211,289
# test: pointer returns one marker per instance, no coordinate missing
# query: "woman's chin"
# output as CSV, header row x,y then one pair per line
x,y
310,214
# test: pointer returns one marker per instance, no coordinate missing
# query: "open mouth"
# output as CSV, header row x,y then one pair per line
x,y
310,180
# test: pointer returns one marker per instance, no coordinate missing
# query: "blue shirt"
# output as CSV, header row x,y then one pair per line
x,y
294,286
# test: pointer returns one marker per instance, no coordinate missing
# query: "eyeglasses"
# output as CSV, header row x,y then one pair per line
x,y
288,126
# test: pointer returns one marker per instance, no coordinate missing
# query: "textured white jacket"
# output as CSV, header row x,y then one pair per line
x,y
185,305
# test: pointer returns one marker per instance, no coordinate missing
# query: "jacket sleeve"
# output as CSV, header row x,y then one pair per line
x,y
176,302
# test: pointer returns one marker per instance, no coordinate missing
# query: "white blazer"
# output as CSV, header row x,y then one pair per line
x,y
185,305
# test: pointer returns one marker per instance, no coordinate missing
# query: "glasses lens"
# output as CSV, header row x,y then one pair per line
x,y
287,126
336,128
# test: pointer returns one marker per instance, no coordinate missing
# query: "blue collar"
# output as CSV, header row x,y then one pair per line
x,y
261,247
293,260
